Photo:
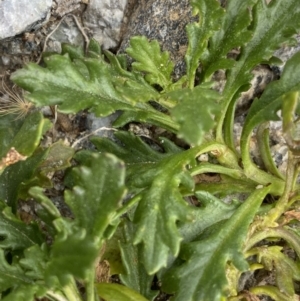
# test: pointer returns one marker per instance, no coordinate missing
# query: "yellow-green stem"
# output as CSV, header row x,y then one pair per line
x,y
283,201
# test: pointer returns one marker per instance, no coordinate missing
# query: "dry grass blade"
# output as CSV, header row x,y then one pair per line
x,y
13,103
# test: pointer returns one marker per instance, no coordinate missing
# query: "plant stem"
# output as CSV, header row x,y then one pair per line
x,y
283,201
262,136
71,291
128,205
270,291
90,288
55,296
213,168
294,199
290,237
227,158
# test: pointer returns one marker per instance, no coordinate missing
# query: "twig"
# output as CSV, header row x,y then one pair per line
x,y
92,133
81,29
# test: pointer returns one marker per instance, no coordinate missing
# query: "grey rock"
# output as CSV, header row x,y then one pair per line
x,y
104,19
101,126
17,16
67,32
286,52
63,7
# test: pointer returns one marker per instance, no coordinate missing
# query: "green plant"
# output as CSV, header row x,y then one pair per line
x,y
131,202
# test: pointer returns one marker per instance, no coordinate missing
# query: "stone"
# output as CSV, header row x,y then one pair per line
x,y
63,7
104,19
17,16
67,32
286,52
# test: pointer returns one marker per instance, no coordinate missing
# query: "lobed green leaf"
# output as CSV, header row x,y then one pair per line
x,y
23,293
195,112
150,59
210,13
159,210
97,192
64,83
212,211
35,261
12,275
135,276
73,254
205,266
272,25
15,177
232,33
266,107
15,234
140,159
23,135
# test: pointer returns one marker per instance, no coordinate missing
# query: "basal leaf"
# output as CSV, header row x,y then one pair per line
x,y
75,83
212,211
210,16
94,47
131,85
139,157
136,276
160,208
272,25
117,292
7,133
135,92
28,137
97,189
97,192
15,234
38,194
63,83
23,135
47,212
12,275
23,293
195,112
32,266
265,108
75,52
132,148
150,59
74,254
16,176
203,275
35,261
233,32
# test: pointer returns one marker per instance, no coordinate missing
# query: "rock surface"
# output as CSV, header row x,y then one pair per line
x,y
17,16
67,32
63,7
104,18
